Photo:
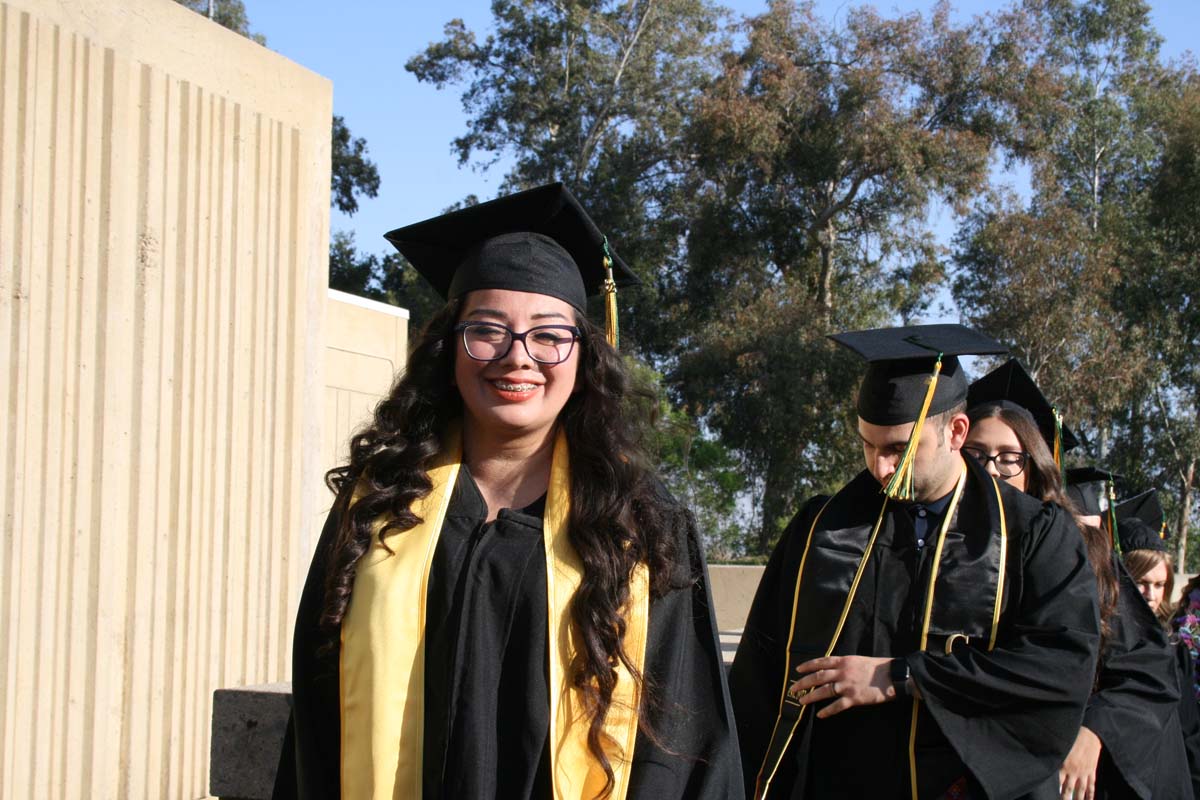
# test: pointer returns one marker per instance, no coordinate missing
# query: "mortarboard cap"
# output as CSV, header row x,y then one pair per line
x,y
1088,488
912,373
540,240
900,362
1141,522
1010,386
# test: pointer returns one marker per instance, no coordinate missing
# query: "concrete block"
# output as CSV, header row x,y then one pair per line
x,y
248,726
733,588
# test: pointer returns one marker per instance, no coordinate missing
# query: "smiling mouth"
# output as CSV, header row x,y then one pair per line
x,y
506,386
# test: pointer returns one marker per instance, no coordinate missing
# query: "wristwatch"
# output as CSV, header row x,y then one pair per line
x,y
900,673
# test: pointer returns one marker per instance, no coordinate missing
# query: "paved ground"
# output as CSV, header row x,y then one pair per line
x,y
729,643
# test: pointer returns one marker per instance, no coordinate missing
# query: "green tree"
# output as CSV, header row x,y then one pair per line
x,y
595,93
353,173
1085,277
1162,282
388,278
598,94
229,14
819,151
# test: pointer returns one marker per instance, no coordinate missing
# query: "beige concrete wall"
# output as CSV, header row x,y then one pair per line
x,y
733,588
366,344
164,195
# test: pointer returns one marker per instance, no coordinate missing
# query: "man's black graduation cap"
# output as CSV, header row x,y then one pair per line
x,y
1010,386
912,373
1140,523
540,240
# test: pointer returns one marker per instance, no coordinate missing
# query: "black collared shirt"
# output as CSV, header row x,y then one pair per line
x,y
927,516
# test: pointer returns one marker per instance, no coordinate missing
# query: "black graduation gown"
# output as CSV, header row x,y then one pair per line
x,y
486,689
1002,719
1189,714
1134,708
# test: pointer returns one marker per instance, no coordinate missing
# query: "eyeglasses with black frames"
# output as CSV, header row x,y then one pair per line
x,y
1009,463
545,344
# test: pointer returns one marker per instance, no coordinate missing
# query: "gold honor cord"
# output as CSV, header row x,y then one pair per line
x,y
611,330
382,660
933,573
900,486
1003,567
765,785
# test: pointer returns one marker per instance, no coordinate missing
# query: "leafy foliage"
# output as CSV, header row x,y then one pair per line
x,y
353,173
1093,278
229,14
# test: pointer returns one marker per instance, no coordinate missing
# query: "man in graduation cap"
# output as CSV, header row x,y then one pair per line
x,y
923,632
505,602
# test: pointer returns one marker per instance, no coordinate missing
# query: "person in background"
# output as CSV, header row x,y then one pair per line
x,y
1014,433
925,640
1140,526
1185,620
505,601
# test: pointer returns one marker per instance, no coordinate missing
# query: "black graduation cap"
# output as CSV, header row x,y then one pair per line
x,y
540,240
900,363
912,373
1088,488
1141,523
1010,386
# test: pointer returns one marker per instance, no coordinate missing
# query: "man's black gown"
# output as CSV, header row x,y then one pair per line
x,y
1002,720
486,688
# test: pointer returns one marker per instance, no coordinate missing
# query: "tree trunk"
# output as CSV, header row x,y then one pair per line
x,y
1185,513
825,287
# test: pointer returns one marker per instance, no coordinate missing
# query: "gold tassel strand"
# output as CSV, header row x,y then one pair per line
x,y
1112,514
611,331
900,486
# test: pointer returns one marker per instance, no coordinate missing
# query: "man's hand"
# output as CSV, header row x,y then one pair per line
x,y
1077,776
847,680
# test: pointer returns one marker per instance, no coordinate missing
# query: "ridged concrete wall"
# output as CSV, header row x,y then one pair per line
x,y
164,196
366,343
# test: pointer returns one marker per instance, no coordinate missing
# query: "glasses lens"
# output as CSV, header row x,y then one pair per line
x,y
550,345
486,342
1009,463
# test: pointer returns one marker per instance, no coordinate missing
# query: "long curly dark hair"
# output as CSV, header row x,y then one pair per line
x,y
1044,481
619,514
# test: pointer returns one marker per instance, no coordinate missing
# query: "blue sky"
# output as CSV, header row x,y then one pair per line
x,y
362,47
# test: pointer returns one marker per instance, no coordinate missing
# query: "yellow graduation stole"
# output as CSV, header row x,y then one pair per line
x,y
382,668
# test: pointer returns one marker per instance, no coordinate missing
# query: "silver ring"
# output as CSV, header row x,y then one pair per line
x,y
833,686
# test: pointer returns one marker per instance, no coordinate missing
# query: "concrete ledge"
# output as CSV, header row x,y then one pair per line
x,y
733,588
248,726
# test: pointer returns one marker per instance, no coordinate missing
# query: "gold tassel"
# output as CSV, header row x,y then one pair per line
x,y
900,486
1058,453
611,331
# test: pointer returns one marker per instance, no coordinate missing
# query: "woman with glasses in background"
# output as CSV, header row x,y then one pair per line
x,y
505,601
1130,743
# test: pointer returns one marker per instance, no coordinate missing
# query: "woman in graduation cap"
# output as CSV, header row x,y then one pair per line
x,y
1129,742
505,602
1140,528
